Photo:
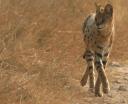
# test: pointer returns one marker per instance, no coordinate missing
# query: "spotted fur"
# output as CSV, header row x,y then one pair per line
x,y
98,30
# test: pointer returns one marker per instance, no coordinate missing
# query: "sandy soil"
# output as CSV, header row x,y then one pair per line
x,y
41,48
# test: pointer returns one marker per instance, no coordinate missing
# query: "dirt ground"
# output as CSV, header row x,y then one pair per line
x,y
41,48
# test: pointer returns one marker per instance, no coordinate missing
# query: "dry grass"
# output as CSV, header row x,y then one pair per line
x,y
41,49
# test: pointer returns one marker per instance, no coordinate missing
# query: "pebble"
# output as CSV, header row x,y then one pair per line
x,y
123,101
122,88
67,87
110,95
117,81
115,64
125,79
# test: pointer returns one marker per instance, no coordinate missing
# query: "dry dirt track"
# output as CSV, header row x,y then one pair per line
x,y
41,51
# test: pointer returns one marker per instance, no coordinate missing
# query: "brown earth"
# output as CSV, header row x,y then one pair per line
x,y
41,47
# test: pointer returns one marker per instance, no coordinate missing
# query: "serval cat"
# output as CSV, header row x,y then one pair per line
x,y
98,29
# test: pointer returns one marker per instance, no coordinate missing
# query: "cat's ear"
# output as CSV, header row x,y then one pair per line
x,y
109,9
99,8
97,5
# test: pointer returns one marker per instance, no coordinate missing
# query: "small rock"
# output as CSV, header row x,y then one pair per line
x,y
110,95
122,88
125,79
115,64
123,101
117,81
67,87
47,50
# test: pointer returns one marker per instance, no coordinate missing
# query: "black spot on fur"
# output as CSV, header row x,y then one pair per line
x,y
106,54
90,67
90,59
100,47
99,55
104,62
